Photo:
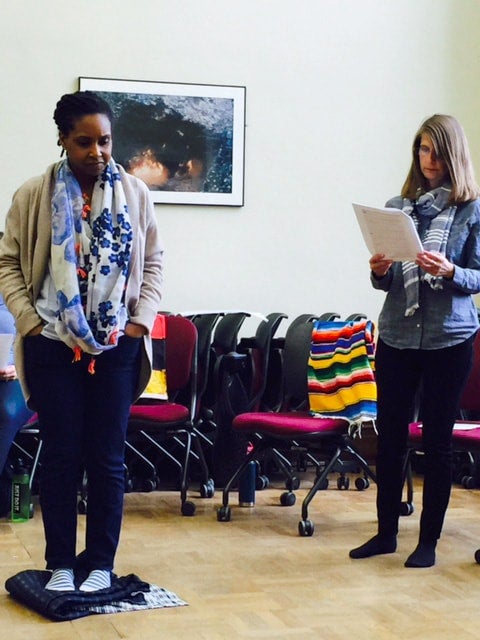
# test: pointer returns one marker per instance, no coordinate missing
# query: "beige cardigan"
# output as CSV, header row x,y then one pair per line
x,y
25,254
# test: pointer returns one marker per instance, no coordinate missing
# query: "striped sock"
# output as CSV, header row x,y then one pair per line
x,y
61,580
97,579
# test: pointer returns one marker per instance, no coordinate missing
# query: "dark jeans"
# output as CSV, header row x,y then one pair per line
x,y
83,419
441,374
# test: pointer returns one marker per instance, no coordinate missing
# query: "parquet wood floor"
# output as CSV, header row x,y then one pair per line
x,y
256,578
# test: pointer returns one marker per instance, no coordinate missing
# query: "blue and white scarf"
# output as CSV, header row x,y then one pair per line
x,y
434,206
90,317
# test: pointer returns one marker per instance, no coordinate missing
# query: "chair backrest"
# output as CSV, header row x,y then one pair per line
x,y
181,354
205,324
470,400
267,329
262,371
225,337
255,365
356,316
296,352
293,352
302,318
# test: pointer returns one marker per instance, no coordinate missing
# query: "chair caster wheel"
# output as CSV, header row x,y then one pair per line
x,y
261,483
468,482
224,514
141,485
207,490
293,483
188,508
477,556
287,499
31,510
362,483
148,485
406,508
343,483
306,528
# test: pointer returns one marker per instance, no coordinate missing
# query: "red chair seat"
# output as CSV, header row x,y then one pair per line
x,y
462,438
164,414
288,424
33,420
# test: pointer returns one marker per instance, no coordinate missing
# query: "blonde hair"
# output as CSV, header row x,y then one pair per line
x,y
451,146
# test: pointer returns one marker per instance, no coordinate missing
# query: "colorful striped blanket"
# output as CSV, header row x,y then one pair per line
x,y
341,380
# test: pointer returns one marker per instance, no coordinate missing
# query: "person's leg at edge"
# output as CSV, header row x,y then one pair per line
x,y
446,371
397,374
110,395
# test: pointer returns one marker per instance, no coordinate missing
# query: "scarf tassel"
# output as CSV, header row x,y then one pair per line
x,y
77,356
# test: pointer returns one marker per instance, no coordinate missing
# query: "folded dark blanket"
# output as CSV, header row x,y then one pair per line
x,y
127,593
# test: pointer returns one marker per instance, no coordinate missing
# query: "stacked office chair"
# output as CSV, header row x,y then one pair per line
x,y
240,382
465,438
326,440
272,397
204,426
167,426
258,351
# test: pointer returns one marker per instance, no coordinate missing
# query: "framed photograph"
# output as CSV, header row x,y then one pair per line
x,y
185,141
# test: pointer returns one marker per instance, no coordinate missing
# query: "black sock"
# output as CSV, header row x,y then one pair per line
x,y
423,556
376,546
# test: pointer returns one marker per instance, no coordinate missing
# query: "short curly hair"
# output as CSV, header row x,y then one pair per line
x,y
73,106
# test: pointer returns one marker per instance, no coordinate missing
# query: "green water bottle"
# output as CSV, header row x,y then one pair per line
x,y
20,493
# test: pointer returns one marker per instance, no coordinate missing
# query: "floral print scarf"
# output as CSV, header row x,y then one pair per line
x,y
90,255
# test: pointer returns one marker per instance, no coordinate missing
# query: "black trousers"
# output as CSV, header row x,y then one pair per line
x,y
436,377
83,420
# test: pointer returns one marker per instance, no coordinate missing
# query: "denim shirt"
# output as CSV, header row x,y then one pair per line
x,y
446,316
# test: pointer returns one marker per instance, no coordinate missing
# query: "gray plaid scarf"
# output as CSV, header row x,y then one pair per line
x,y
434,206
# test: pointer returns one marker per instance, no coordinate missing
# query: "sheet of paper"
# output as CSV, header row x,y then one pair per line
x,y
462,426
466,426
6,340
388,231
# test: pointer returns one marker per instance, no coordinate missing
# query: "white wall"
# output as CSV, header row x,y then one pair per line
x,y
335,92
